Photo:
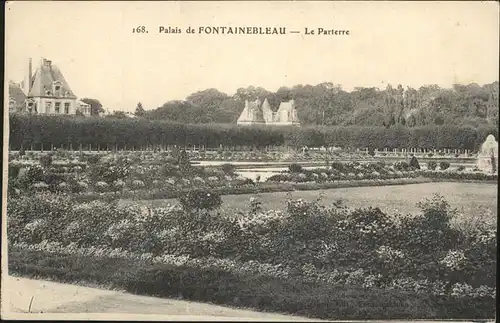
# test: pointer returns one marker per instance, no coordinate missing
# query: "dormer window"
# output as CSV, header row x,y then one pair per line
x,y
56,87
48,92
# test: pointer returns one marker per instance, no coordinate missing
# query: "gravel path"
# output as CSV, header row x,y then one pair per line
x,y
92,303
56,301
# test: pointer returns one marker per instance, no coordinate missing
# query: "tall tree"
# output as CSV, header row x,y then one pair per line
x,y
139,110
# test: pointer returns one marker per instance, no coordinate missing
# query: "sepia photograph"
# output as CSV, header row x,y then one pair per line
x,y
250,160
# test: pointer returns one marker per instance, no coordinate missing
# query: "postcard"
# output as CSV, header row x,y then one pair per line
x,y
250,160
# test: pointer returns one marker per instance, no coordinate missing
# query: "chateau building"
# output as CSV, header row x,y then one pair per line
x,y
45,91
256,113
17,98
83,107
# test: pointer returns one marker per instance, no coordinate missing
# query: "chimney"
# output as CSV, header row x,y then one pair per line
x,y
46,62
30,75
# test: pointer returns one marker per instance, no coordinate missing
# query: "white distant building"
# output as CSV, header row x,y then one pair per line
x,y
256,113
108,113
84,108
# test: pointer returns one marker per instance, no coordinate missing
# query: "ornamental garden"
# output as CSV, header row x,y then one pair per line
x,y
191,225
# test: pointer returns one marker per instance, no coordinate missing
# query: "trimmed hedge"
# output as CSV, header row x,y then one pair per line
x,y
127,133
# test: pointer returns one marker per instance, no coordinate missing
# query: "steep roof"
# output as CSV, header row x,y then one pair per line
x,y
267,111
17,94
287,112
252,113
81,103
43,79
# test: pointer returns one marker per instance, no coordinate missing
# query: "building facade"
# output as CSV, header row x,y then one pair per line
x,y
45,91
257,113
83,107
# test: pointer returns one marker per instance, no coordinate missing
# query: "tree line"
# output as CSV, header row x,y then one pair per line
x,y
38,130
329,105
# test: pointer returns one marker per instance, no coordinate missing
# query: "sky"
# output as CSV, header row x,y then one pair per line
x,y
408,43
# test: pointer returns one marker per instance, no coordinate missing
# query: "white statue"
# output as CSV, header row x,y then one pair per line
x,y
487,159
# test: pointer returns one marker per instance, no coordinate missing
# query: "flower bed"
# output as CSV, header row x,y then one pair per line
x,y
148,175
305,242
355,171
114,173
459,175
345,171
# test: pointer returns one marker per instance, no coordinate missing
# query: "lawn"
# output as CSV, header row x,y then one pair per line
x,y
466,197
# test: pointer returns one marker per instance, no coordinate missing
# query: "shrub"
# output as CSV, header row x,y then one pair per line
x,y
401,166
78,187
414,163
46,160
295,168
278,178
93,159
255,205
247,181
444,165
13,171
431,165
137,184
228,169
200,200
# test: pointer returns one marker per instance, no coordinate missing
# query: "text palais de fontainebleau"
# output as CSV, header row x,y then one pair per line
x,y
243,30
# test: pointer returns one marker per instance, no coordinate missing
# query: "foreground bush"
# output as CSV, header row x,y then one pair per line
x,y
305,236
233,284
200,200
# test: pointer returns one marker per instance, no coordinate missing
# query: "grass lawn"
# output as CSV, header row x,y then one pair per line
x,y
466,197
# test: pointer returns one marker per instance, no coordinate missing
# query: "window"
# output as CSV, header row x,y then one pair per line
x,y
48,107
58,107
31,106
66,108
48,93
12,104
56,86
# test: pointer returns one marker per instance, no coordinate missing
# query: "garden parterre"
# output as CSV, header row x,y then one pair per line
x,y
86,173
169,175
